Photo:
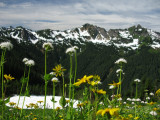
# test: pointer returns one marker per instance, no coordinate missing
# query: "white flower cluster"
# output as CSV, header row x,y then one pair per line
x,y
28,62
154,113
137,80
121,60
6,45
55,80
47,46
71,50
134,100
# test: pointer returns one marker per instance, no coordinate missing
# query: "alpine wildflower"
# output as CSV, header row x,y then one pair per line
x,y
121,60
59,70
6,46
30,63
137,80
47,46
55,80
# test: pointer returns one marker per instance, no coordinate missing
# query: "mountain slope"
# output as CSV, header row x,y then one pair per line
x,y
98,50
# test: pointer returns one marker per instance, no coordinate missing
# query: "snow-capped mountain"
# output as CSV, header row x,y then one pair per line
x,y
131,37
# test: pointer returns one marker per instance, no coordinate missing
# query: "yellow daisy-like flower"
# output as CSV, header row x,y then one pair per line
x,y
136,118
85,79
80,105
115,84
130,116
158,92
111,111
59,70
101,91
8,77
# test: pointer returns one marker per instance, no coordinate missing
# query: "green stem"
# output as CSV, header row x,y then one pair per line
x,y
63,84
75,74
45,85
120,78
2,69
53,100
136,90
21,86
26,90
70,89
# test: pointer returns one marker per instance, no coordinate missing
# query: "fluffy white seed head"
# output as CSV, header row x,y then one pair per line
x,y
121,60
6,45
47,46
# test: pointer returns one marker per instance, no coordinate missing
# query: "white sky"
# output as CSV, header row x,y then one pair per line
x,y
67,14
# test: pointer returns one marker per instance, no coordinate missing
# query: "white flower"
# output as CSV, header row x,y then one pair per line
x,y
111,87
99,82
153,113
55,80
151,94
147,98
138,99
52,73
119,99
75,47
121,60
25,60
70,50
30,63
133,99
6,45
132,103
129,99
124,102
137,80
142,101
146,102
47,46
119,70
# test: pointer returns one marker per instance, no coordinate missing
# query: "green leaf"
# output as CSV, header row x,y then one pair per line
x,y
24,80
53,100
47,77
62,101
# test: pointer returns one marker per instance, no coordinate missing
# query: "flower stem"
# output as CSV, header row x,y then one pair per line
x,y
70,85
22,85
26,90
45,84
53,100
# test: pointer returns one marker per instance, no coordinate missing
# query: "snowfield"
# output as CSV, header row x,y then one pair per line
x,y
34,99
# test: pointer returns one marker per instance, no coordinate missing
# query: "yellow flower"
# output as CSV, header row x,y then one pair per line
x,y
136,118
85,79
115,84
130,116
8,77
151,103
111,111
39,102
155,109
158,92
80,105
58,108
101,91
34,118
59,70
12,103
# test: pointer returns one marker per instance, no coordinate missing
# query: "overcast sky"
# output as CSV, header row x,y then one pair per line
x,y
67,14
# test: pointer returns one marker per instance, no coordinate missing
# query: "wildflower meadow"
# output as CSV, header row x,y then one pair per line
x,y
94,104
